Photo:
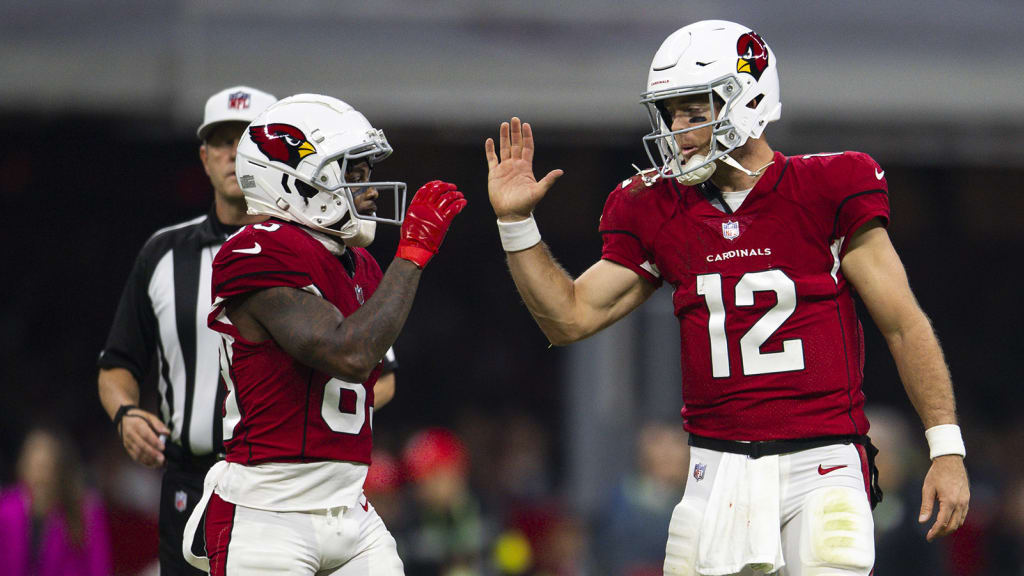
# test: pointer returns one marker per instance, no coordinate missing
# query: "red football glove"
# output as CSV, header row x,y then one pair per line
x,y
426,221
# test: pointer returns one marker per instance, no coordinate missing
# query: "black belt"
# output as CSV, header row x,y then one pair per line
x,y
772,447
178,459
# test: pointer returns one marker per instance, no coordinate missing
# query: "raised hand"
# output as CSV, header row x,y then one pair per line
x,y
511,186
430,213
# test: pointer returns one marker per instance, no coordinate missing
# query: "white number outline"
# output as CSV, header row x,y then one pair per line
x,y
332,414
789,359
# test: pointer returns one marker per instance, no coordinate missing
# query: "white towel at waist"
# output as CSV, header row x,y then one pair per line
x,y
741,522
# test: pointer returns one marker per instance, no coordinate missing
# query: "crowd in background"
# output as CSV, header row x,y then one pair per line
x,y
482,499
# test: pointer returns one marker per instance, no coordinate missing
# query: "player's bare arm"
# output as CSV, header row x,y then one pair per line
x,y
314,332
140,430
566,310
874,269
383,390
570,310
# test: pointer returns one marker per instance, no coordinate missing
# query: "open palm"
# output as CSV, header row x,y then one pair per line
x,y
511,185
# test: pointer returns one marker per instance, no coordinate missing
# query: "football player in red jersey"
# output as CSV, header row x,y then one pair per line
x,y
306,317
763,252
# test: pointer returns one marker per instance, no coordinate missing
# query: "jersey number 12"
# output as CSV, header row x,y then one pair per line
x,y
789,359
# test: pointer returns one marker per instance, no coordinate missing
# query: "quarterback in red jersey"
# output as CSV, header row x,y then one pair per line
x,y
305,317
763,252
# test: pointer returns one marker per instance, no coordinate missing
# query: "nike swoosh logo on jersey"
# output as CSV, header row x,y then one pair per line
x,y
879,173
254,250
824,471
703,64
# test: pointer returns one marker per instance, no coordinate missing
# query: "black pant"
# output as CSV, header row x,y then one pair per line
x,y
180,491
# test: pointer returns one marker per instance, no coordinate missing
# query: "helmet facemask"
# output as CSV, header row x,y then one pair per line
x,y
354,228
724,137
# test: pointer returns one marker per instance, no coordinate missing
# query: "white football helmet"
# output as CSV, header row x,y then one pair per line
x,y
292,160
712,57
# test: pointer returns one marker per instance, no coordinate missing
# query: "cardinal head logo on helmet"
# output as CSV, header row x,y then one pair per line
x,y
753,55
281,143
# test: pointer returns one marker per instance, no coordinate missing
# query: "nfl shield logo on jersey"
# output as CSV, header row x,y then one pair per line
x,y
698,471
359,295
731,229
180,500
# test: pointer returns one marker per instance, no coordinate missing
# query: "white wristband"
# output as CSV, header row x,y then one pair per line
x,y
520,235
945,439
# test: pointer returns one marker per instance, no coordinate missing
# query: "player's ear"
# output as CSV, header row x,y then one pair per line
x,y
204,155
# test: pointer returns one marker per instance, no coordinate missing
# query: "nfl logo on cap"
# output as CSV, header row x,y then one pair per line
x,y
236,104
239,100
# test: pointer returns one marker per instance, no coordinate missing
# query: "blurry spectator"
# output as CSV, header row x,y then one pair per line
x,y
383,486
629,532
444,532
1008,550
556,540
539,537
49,523
522,460
132,497
900,545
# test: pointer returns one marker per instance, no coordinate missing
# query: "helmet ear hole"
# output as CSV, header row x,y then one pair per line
x,y
305,190
665,116
755,101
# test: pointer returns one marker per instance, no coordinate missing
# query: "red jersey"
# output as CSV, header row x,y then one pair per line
x,y
771,344
277,409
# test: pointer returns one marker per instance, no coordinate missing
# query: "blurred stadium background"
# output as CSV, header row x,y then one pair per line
x,y
99,103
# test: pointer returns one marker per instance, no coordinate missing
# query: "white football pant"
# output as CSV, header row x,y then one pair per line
x,y
825,515
335,542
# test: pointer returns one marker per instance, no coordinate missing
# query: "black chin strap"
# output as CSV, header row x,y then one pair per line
x,y
711,192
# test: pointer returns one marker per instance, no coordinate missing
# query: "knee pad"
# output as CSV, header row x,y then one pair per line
x,y
681,547
838,535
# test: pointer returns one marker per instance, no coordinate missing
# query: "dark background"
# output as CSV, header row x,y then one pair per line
x,y
83,193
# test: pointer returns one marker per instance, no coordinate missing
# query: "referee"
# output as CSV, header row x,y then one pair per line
x,y
162,312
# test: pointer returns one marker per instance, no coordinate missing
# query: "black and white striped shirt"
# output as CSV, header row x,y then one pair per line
x,y
163,311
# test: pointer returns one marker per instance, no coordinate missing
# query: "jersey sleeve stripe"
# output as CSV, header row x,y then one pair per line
x,y
626,232
839,210
640,271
